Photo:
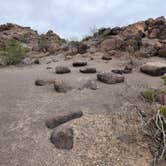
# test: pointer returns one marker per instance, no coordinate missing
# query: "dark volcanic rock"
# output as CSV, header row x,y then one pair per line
x,y
63,118
88,70
126,70
40,82
62,70
79,64
110,78
61,86
154,68
62,138
107,57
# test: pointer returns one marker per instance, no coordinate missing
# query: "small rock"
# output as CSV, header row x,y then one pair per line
x,y
107,57
61,86
154,68
126,70
27,61
118,71
48,68
62,70
39,82
62,138
88,70
90,84
110,78
62,118
79,64
36,61
2,62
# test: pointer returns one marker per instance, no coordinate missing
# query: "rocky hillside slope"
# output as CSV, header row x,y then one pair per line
x,y
144,38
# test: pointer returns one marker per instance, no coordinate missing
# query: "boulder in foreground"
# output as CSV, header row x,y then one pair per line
x,y
62,138
154,68
63,118
110,78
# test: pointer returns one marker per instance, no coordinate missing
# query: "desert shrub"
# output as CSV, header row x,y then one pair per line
x,y
163,91
25,38
164,79
62,41
149,95
43,43
163,110
155,130
13,52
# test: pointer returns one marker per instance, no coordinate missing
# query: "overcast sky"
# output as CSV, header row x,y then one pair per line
x,y
75,18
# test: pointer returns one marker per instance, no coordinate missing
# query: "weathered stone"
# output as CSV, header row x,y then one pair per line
x,y
154,68
62,118
62,138
61,86
79,64
115,31
82,48
110,78
40,82
126,70
111,44
88,70
154,34
107,57
62,70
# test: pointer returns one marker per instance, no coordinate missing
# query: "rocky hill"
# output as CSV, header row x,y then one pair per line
x,y
144,38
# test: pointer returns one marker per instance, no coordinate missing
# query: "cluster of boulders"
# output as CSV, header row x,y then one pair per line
x,y
111,77
62,137
144,38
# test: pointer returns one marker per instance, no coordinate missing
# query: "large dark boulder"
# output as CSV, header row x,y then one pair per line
x,y
62,118
62,138
110,78
154,68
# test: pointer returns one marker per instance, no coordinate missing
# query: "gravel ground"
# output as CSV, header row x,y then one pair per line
x,y
107,134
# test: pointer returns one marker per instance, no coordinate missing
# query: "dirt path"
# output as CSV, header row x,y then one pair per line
x,y
24,139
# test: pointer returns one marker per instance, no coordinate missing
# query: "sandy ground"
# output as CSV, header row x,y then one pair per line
x,y
107,134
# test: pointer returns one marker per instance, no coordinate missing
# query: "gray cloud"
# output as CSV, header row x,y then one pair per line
x,y
75,18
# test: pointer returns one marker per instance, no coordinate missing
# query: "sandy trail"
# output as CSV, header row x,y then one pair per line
x,y
24,139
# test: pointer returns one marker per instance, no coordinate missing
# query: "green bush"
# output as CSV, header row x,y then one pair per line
x,y
43,43
163,118
13,52
25,38
149,95
163,111
164,79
